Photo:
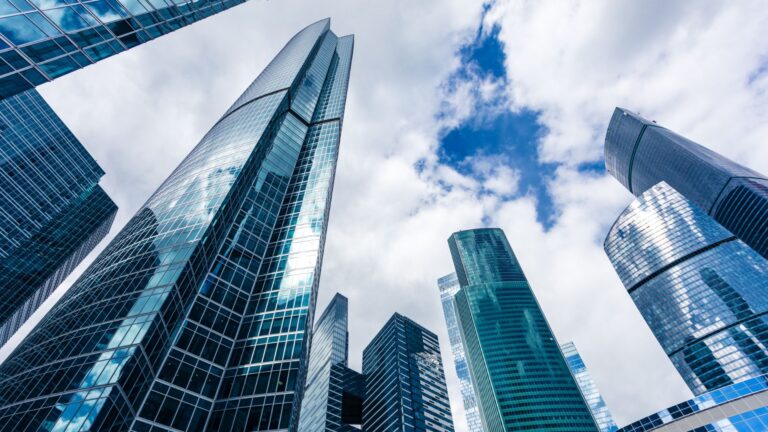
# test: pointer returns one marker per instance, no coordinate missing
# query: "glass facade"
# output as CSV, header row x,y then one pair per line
x,y
588,388
405,386
449,286
196,316
52,210
700,289
741,407
323,407
520,377
640,154
44,39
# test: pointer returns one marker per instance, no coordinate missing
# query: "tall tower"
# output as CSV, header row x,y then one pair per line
x,y
588,388
520,377
449,286
197,315
334,393
40,41
405,386
52,210
700,289
640,154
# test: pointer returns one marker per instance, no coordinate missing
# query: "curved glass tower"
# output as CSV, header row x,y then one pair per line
x,y
449,286
640,154
700,289
521,379
197,315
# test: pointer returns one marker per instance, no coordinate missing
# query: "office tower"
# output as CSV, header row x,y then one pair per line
x,y
334,393
588,388
196,316
448,286
40,41
405,386
741,407
640,154
520,377
52,210
700,289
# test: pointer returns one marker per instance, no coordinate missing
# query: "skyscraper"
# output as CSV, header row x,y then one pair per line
x,y
405,386
52,210
588,388
197,315
640,154
700,289
334,393
520,377
449,286
40,41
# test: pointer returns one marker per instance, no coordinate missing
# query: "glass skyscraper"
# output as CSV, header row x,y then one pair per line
x,y
588,388
405,386
521,379
41,40
640,154
700,289
449,286
52,210
197,315
334,394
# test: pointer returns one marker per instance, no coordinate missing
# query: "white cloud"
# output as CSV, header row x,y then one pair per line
x,y
688,67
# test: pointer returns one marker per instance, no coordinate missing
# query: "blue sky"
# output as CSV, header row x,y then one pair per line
x,y
510,136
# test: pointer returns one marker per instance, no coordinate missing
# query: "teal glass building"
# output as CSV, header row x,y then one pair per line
x,y
520,377
697,285
405,386
197,315
52,209
448,286
588,388
42,40
333,400
641,153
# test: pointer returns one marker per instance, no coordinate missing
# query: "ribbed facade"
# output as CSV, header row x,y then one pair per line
x,y
588,388
448,286
42,40
741,407
640,154
700,289
405,382
197,315
52,210
520,377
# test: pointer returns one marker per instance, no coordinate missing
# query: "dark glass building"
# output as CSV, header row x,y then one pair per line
x,y
521,379
449,286
405,386
42,40
700,289
52,210
197,315
333,399
589,390
640,154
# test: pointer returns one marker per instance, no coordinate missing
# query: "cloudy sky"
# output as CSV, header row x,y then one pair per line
x,y
460,114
